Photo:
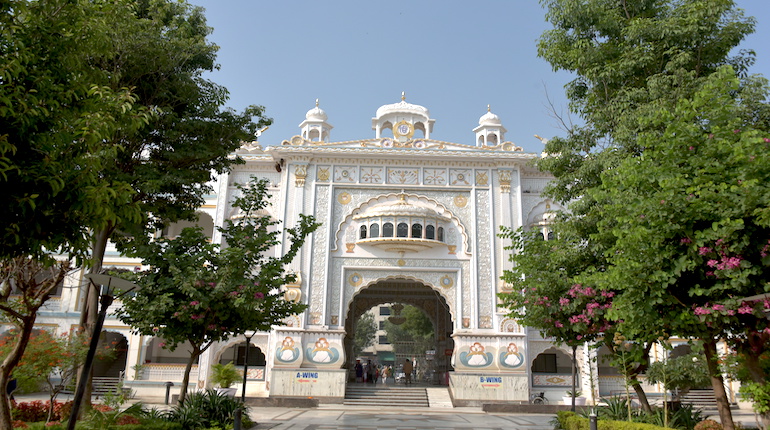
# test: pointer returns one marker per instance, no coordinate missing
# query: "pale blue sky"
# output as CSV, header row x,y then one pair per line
x,y
453,57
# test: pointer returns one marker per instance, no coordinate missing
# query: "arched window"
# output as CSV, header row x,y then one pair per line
x,y
430,232
374,230
403,229
539,236
387,229
551,236
362,235
417,231
440,237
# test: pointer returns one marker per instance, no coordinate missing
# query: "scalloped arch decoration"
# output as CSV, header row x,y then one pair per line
x,y
437,290
393,197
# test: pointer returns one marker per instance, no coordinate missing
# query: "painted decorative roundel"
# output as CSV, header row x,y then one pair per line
x,y
403,129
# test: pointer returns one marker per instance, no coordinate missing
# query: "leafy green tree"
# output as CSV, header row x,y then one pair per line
x,y
631,59
414,336
363,338
692,223
161,52
201,292
49,359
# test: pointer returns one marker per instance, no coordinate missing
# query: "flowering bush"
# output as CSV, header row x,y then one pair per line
x,y
708,425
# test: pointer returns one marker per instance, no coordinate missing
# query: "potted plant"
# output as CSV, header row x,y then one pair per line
x,y
579,399
225,375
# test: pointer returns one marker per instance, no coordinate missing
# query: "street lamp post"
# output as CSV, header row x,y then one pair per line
x,y
248,335
108,283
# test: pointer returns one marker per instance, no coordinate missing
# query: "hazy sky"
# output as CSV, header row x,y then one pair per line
x,y
453,57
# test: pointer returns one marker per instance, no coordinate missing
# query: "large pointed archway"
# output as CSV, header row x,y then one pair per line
x,y
417,294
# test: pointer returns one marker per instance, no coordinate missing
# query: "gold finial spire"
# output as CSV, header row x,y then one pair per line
x,y
403,96
316,102
489,108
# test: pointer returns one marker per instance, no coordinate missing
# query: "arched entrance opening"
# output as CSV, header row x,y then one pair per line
x,y
432,362
112,364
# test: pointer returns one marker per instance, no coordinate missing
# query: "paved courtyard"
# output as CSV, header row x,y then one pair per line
x,y
349,418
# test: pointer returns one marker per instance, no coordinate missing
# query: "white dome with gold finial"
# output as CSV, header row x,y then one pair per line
x,y
316,113
489,118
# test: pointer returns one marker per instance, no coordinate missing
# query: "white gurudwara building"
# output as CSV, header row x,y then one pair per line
x,y
405,219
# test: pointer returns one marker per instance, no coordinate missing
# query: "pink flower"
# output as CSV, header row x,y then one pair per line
x,y
702,311
558,324
692,148
703,250
564,301
712,263
258,295
745,309
736,131
194,303
718,307
663,202
162,344
685,240
767,140
233,293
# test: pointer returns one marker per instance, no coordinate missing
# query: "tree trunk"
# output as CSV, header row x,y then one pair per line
x,y
90,311
640,393
186,379
717,383
7,366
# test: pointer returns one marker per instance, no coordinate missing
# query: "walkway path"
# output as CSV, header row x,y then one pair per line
x,y
328,417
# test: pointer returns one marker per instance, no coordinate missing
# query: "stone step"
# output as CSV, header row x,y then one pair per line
x,y
386,396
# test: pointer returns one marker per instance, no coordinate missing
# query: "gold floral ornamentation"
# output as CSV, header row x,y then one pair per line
x,y
482,178
300,174
446,281
461,201
505,180
355,279
344,198
323,174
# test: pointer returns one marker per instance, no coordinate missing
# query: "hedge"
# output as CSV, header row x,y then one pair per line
x,y
571,421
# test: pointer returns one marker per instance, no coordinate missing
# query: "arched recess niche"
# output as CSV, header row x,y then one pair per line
x,y
392,198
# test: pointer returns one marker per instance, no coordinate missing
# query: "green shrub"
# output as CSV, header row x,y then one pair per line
x,y
208,409
571,421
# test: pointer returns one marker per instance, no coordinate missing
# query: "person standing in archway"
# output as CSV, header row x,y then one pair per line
x,y
408,368
359,371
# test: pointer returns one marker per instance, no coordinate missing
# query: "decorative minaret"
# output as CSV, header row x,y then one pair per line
x,y
315,128
490,131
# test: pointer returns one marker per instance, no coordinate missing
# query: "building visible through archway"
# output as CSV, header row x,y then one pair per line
x,y
434,362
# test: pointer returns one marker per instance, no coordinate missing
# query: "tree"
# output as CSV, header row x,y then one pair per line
x,y
363,338
414,336
48,356
549,298
631,59
692,223
201,293
57,113
161,51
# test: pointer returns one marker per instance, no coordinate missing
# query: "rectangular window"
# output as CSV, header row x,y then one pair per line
x,y
544,363
383,340
384,310
382,325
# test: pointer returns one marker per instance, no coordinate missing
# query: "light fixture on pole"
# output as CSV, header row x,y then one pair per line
x,y
248,334
108,284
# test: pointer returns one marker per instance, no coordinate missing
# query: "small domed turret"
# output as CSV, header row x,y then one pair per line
x,y
315,128
490,131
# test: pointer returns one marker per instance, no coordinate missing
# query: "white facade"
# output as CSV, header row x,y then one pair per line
x,y
404,219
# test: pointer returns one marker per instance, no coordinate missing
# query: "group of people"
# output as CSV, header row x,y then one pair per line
x,y
371,373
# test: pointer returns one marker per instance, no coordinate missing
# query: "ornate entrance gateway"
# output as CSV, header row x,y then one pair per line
x,y
405,219
404,291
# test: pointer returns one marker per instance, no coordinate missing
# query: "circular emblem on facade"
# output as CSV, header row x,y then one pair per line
x,y
297,140
355,279
401,262
343,198
403,129
461,201
446,281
